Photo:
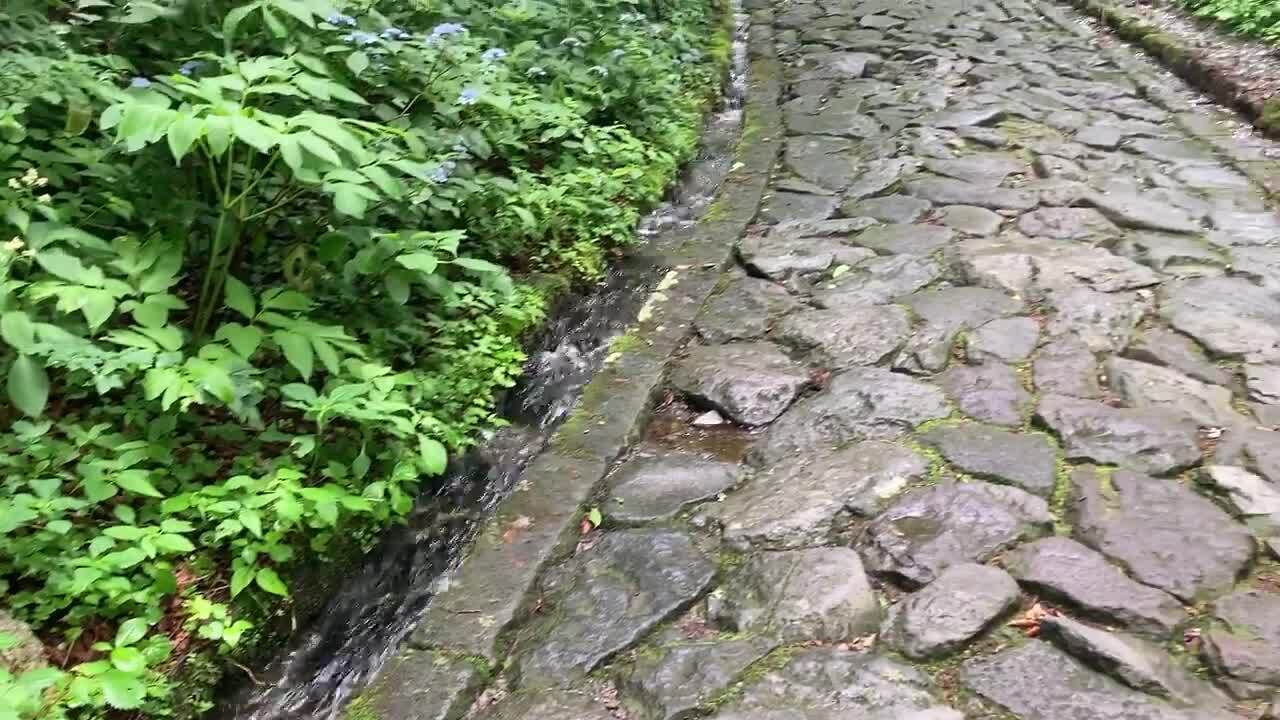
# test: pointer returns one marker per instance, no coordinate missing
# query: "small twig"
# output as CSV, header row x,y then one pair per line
x,y
247,671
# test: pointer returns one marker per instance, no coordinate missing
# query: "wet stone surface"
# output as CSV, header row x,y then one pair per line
x,y
995,248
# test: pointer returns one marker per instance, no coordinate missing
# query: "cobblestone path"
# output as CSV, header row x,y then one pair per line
x,y
1007,330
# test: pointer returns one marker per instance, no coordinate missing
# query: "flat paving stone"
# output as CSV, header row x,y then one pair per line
x,y
847,337
1176,255
1066,367
778,256
877,281
1163,347
606,598
875,177
834,684
1084,224
1263,383
1037,681
986,169
552,705
1026,461
925,532
858,404
821,159
1150,441
1140,664
1007,340
888,209
945,191
1248,493
1165,534
990,393
970,220
815,594
1229,316
789,206
803,500
899,239
673,681
1143,213
1068,572
752,383
744,310
1152,387
949,612
659,484
1244,642
1102,321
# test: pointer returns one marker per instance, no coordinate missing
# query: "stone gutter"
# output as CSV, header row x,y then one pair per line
x,y
460,642
1183,59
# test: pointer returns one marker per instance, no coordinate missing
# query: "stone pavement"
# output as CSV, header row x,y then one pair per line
x,y
1000,366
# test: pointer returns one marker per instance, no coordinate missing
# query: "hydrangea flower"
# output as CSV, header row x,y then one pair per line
x,y
447,29
190,67
469,96
442,172
571,42
140,82
535,71
600,70
341,20
493,54
395,33
359,37
617,54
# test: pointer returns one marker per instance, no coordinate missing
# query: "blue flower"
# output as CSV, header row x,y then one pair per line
x,y
190,67
469,96
140,82
447,29
442,172
600,70
394,33
493,54
341,20
360,37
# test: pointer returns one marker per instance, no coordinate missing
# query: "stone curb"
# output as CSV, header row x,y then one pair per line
x,y
1186,62
1203,123
460,641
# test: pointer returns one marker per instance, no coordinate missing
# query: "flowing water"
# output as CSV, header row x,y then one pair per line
x,y
381,600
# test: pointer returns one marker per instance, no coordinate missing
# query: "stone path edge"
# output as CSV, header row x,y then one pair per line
x,y
1186,62
460,642
1174,55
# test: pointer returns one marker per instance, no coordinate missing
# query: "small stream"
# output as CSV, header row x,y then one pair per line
x,y
381,600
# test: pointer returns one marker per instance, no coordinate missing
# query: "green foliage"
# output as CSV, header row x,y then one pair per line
x,y
1260,18
261,273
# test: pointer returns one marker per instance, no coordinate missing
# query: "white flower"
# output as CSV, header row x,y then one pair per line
x,y
13,183
14,245
46,198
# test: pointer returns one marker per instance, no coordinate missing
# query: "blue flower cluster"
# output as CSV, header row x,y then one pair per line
x,y
469,96
442,172
493,54
360,37
395,33
341,20
190,67
140,82
444,30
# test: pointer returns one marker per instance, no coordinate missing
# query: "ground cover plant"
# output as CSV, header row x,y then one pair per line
x,y
264,267
1259,18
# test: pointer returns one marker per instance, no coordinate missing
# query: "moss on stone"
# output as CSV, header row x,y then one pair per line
x,y
1269,120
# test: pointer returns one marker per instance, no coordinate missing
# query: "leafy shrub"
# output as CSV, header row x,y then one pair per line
x,y
263,268
1260,18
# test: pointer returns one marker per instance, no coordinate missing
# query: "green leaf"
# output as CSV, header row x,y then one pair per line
x,y
348,201
291,300
69,268
122,690
17,330
268,580
238,297
28,386
174,543
432,455
318,146
253,133
232,21
595,517
421,261
357,62
297,9
397,286
244,340
291,151
182,134
241,577
128,533
252,521
297,350
300,393
137,482
477,265
129,660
